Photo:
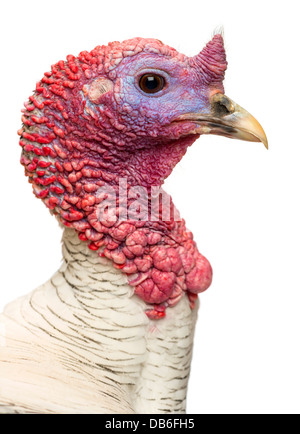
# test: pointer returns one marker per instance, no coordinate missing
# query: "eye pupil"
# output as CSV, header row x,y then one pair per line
x,y
151,83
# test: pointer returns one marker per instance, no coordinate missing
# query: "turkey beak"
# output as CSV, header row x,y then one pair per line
x,y
231,115
226,118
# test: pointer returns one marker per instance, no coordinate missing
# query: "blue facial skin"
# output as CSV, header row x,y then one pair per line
x,y
183,92
132,117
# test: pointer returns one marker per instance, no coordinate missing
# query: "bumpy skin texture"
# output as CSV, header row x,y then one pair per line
x,y
89,126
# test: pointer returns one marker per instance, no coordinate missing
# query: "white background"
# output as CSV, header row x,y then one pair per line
x,y
241,202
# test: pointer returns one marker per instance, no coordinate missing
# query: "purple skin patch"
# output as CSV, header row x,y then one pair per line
x,y
90,125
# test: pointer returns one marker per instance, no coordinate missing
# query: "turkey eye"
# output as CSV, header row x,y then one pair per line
x,y
152,83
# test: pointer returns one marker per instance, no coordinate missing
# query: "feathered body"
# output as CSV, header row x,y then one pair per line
x,y
82,343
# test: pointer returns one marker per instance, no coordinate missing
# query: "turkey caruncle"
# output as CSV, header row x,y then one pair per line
x,y
112,331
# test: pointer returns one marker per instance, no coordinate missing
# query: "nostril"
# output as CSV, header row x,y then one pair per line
x,y
221,109
222,105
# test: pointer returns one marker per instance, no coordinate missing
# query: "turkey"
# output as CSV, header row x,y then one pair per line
x,y
112,331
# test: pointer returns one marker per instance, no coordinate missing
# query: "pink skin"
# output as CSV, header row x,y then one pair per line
x,y
89,125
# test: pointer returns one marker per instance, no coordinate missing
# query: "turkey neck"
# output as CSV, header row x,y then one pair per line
x,y
95,308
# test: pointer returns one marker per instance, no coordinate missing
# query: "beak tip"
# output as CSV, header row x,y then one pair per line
x,y
265,142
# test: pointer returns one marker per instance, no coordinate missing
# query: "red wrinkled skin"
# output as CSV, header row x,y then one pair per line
x,y
77,139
